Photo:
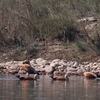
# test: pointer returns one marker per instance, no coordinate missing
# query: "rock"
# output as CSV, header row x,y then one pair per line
x,y
98,74
72,73
39,60
98,61
62,63
49,69
90,26
33,61
56,60
80,72
4,71
45,62
13,71
13,67
95,67
56,64
75,64
87,19
58,73
40,69
72,69
65,70
61,68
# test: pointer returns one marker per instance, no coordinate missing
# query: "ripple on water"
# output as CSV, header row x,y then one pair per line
x,y
8,79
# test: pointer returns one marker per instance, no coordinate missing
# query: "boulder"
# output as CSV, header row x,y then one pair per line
x,y
49,69
39,60
58,73
56,60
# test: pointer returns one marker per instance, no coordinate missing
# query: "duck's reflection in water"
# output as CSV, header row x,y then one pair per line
x,y
77,88
91,89
28,88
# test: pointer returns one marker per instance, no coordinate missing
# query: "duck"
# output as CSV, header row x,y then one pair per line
x,y
26,62
88,74
24,77
60,77
28,68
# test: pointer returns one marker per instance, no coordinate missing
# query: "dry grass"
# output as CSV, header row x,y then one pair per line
x,y
24,22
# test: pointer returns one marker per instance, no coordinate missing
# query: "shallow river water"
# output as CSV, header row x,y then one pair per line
x,y
77,88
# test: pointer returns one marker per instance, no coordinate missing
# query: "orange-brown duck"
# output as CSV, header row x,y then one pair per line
x,y
89,74
60,77
28,68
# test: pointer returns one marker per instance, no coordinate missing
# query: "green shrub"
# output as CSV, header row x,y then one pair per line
x,y
25,21
32,51
81,46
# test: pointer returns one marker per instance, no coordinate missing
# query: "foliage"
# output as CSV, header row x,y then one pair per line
x,y
26,21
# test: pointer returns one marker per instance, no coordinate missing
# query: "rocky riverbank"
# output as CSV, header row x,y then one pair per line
x,y
58,66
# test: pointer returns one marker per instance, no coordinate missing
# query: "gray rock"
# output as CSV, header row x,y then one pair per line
x,y
49,69
39,60
56,60
58,73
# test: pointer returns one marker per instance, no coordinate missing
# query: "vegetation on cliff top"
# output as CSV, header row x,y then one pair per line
x,y
25,24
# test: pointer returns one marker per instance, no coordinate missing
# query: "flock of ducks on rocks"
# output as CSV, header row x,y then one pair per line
x,y
30,70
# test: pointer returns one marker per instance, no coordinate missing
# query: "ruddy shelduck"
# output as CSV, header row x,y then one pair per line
x,y
28,68
60,77
89,74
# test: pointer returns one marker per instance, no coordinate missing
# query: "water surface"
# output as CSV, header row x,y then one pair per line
x,y
77,88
